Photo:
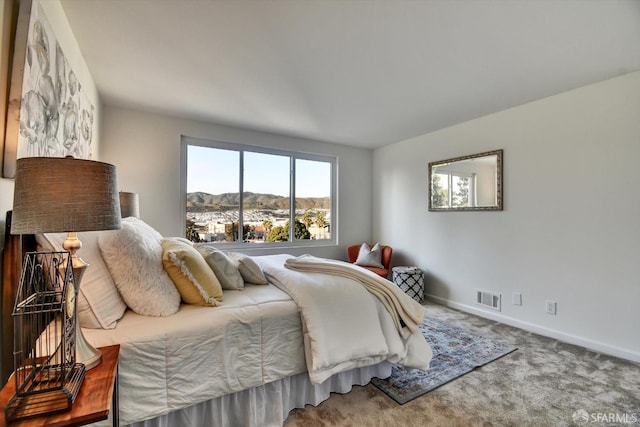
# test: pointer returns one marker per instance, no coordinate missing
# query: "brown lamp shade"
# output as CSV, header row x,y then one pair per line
x,y
55,194
129,205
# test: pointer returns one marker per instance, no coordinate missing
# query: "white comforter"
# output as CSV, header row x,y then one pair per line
x,y
255,337
199,353
344,325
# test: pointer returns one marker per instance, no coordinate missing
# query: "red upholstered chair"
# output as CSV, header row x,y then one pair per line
x,y
352,255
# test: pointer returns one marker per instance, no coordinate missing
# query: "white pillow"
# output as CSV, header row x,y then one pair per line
x,y
370,257
248,268
134,257
99,303
225,269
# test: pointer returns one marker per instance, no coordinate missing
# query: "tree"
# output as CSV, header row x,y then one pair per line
x,y
231,232
306,219
321,222
267,224
249,232
281,234
300,230
461,197
278,234
438,194
191,232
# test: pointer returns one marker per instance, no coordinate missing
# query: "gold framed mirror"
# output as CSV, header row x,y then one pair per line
x,y
467,183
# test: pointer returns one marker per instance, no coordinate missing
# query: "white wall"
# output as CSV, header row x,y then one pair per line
x,y
60,27
570,229
486,185
145,148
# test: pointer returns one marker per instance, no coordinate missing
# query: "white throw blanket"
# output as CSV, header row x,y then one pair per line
x,y
406,313
344,325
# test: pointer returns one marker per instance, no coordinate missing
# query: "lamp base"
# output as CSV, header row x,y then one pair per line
x,y
86,354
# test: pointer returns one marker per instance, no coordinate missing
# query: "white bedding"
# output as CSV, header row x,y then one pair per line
x,y
407,315
344,325
267,405
200,353
254,339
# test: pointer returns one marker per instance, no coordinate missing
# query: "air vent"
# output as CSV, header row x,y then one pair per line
x,y
489,299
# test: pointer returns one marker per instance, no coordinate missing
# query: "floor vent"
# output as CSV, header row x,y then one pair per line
x,y
489,299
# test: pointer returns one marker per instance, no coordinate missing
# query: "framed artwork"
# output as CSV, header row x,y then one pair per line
x,y
6,51
48,113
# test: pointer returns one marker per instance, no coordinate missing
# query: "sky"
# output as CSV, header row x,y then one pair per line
x,y
215,171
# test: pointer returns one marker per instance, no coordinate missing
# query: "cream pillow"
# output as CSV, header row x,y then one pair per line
x,y
133,255
249,269
225,269
370,257
100,306
194,279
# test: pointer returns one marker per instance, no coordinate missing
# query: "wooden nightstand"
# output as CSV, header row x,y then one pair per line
x,y
97,394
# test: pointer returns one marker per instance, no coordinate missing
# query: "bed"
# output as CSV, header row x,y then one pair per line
x,y
267,348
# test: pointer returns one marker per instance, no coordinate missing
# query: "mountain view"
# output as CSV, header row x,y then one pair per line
x,y
205,202
215,217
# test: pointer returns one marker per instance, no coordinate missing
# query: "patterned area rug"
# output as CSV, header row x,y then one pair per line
x,y
456,352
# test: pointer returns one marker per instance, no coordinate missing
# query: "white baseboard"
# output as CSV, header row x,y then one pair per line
x,y
541,330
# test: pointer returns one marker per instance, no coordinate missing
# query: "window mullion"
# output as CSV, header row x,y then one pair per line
x,y
292,198
472,190
241,199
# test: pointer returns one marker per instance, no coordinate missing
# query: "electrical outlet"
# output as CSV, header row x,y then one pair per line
x,y
552,307
516,298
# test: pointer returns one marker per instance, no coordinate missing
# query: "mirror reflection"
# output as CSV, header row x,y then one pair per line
x,y
466,183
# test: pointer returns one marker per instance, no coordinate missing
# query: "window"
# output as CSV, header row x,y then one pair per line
x,y
238,194
454,190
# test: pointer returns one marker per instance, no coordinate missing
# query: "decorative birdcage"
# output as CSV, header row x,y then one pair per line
x,y
46,375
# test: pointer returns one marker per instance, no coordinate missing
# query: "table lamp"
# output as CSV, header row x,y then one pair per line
x,y
55,194
129,204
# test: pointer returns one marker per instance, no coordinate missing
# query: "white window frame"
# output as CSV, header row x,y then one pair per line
x,y
472,187
186,141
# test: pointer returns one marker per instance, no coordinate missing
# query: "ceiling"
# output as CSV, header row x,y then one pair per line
x,y
359,72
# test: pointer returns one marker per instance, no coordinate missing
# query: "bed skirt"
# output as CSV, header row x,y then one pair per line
x,y
267,405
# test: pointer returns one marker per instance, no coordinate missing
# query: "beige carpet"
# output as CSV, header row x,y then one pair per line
x,y
543,383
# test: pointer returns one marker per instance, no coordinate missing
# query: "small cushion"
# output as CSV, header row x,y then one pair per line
x,y
194,279
370,257
249,269
182,239
100,306
225,269
133,255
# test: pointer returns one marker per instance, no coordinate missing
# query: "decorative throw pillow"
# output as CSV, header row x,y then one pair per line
x,y
182,239
224,268
370,257
194,279
99,303
249,269
133,255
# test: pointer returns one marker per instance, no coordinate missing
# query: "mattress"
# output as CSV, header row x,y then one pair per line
x,y
200,353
